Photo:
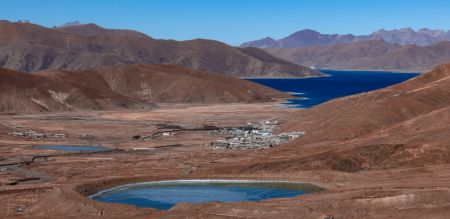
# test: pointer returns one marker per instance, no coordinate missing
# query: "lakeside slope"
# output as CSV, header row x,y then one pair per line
x,y
123,87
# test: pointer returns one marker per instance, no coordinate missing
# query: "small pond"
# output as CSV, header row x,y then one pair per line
x,y
166,194
79,148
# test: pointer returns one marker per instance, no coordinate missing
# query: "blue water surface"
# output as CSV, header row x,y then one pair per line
x,y
313,91
78,148
165,196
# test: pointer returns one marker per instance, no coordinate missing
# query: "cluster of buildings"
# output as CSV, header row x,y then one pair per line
x,y
21,132
253,136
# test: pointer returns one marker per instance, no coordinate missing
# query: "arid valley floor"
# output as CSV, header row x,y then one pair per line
x,y
57,184
225,109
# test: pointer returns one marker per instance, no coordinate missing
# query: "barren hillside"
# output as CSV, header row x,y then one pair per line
x,y
122,87
30,48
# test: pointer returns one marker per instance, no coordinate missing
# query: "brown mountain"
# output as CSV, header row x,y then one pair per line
x,y
402,125
122,87
174,84
371,55
28,47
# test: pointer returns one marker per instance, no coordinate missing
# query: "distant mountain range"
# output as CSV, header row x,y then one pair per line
x,y
28,47
398,50
369,55
307,38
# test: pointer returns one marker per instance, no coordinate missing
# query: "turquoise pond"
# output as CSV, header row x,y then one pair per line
x,y
79,148
166,194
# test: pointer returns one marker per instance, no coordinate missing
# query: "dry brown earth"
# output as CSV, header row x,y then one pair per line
x,y
382,154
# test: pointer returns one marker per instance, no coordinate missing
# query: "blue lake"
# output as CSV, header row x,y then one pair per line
x,y
165,194
79,148
314,91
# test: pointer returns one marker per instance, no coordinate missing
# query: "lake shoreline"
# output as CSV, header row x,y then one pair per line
x,y
308,92
375,71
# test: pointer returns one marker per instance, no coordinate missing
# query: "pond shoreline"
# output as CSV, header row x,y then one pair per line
x,y
165,194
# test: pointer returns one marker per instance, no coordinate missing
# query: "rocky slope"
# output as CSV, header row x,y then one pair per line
x,y
122,87
372,55
307,38
28,47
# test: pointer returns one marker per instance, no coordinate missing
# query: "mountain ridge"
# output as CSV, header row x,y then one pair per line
x,y
29,47
308,37
369,55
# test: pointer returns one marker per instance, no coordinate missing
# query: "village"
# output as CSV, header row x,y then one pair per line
x,y
256,135
23,132
253,136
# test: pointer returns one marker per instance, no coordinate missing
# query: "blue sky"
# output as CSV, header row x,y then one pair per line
x,y
234,21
